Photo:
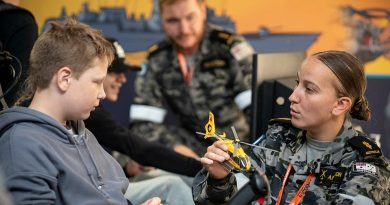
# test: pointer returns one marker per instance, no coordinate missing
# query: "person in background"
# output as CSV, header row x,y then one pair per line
x,y
198,68
47,154
18,32
171,189
5,197
317,157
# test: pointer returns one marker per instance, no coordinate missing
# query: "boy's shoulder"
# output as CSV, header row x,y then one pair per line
x,y
19,144
23,134
24,127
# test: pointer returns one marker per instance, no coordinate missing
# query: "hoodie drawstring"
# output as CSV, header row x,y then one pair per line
x,y
93,162
98,184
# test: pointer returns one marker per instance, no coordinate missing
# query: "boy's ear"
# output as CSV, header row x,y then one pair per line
x,y
63,78
342,106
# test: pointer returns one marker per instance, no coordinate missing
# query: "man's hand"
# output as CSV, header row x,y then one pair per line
x,y
184,150
132,168
214,158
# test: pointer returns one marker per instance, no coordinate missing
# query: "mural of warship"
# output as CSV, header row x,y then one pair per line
x,y
136,35
369,40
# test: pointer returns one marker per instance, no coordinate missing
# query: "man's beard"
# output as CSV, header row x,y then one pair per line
x,y
192,49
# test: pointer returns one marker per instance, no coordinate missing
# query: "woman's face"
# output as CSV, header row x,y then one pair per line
x,y
314,97
112,85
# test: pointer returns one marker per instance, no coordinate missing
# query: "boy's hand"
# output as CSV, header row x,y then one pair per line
x,y
153,201
214,158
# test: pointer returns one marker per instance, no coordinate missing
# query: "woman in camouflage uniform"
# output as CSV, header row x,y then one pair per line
x,y
317,157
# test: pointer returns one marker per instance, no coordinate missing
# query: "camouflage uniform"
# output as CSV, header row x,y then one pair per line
x,y
221,83
352,170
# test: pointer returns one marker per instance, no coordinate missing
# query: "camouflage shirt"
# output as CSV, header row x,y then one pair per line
x,y
221,83
352,170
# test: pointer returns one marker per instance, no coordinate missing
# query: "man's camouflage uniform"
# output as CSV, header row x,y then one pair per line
x,y
221,83
352,170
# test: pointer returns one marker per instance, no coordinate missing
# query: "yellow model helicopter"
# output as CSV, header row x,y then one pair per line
x,y
238,161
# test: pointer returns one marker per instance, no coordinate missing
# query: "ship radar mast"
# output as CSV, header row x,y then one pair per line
x,y
63,12
153,23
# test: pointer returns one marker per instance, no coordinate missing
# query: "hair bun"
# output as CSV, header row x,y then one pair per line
x,y
360,109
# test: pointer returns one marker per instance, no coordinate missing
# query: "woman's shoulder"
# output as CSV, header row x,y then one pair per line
x,y
367,164
281,129
364,157
364,146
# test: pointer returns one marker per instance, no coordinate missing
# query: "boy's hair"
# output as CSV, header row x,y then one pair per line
x,y
66,44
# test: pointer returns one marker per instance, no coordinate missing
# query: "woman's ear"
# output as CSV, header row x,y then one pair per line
x,y
63,78
342,106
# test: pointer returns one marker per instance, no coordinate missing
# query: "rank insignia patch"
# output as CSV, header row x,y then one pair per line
x,y
365,146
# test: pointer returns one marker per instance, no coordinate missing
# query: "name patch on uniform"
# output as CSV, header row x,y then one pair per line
x,y
329,176
363,167
241,51
213,63
365,146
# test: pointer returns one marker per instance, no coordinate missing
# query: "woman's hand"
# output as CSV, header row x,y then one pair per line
x,y
214,158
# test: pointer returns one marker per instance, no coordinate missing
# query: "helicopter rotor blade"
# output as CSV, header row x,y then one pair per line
x,y
236,140
235,134
257,146
208,135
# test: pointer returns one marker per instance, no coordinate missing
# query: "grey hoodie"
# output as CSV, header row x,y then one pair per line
x,y
43,164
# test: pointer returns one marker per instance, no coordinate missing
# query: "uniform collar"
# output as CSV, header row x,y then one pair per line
x,y
330,156
346,132
204,47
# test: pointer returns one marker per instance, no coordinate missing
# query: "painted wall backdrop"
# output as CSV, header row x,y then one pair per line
x,y
359,26
325,17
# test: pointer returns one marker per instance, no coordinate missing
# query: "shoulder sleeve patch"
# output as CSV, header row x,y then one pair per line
x,y
365,146
241,50
363,167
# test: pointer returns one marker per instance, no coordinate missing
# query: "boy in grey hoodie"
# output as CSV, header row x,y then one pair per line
x,y
47,154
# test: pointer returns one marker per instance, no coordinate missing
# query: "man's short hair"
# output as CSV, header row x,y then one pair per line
x,y
169,2
69,43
